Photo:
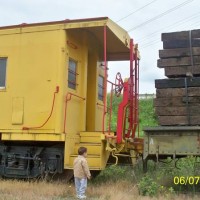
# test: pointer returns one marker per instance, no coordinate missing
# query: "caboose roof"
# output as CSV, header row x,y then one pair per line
x,y
117,38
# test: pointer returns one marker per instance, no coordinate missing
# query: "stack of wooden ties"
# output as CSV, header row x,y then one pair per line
x,y
178,97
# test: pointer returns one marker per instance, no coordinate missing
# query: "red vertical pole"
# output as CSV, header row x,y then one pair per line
x,y
110,116
105,78
136,89
138,105
136,94
131,87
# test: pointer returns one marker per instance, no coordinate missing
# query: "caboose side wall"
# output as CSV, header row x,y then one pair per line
x,y
37,62
33,60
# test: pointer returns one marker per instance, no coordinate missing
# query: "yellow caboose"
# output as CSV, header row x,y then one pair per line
x,y
53,93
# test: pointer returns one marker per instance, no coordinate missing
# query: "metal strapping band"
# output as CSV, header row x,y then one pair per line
x,y
187,101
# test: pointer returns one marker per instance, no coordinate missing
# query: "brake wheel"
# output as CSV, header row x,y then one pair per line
x,y
119,84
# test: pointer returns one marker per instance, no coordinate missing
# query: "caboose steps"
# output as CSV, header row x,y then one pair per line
x,y
92,148
96,145
91,137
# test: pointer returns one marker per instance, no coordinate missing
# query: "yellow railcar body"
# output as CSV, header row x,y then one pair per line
x,y
37,83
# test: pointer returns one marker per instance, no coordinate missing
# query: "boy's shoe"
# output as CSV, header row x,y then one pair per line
x,y
82,197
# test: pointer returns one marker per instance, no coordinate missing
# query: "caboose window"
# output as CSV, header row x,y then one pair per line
x,y
100,88
3,62
72,73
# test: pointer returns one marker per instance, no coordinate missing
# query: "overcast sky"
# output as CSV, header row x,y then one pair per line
x,y
148,35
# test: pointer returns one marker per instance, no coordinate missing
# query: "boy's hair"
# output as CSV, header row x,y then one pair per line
x,y
82,150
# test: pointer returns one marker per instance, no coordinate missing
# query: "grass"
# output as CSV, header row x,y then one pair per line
x,y
115,183
21,190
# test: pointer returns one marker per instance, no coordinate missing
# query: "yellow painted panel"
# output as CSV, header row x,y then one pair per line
x,y
91,134
70,141
86,24
33,137
119,32
28,131
91,148
91,90
17,110
104,154
31,74
90,139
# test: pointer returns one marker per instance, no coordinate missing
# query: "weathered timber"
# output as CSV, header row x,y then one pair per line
x,y
172,101
177,92
177,82
173,44
182,71
176,101
182,61
178,111
180,52
178,120
183,35
192,100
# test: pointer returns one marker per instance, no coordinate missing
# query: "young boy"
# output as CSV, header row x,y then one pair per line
x,y
81,173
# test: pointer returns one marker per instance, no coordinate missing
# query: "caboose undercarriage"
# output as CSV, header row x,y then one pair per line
x,y
30,160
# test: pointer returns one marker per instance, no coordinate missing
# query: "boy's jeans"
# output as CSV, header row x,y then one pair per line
x,y
81,185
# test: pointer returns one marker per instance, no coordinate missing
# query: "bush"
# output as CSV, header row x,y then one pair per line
x,y
148,187
163,174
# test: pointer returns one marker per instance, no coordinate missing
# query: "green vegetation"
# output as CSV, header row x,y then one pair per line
x,y
146,112
167,178
147,115
148,187
115,173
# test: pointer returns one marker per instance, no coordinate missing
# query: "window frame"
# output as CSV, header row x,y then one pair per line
x,y
72,85
5,76
101,95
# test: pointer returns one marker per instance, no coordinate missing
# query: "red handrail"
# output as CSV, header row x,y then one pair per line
x,y
136,121
131,97
110,116
68,98
138,111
